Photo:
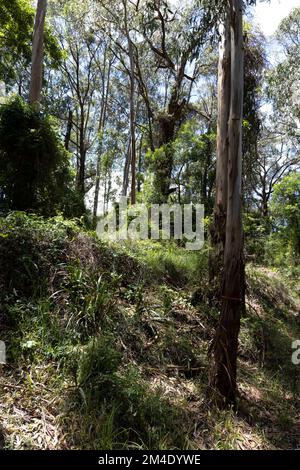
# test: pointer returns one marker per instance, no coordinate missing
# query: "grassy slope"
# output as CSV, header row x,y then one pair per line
x,y
108,347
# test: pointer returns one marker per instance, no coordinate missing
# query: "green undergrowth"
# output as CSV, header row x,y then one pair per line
x,y
108,346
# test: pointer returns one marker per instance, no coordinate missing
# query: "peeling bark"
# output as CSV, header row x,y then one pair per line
x,y
233,291
37,54
218,226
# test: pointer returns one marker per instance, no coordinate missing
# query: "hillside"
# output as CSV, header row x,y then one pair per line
x,y
108,346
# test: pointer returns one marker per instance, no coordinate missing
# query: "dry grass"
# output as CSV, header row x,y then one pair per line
x,y
166,339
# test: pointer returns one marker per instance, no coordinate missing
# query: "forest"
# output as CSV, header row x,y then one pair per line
x,y
149,225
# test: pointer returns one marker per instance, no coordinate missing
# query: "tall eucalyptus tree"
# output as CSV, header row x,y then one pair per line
x,y
230,123
36,80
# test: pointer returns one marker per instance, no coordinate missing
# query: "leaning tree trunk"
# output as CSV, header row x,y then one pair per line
x,y
218,226
226,341
37,54
126,170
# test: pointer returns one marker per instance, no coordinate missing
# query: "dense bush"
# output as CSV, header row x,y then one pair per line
x,y
257,231
141,416
29,245
285,209
34,166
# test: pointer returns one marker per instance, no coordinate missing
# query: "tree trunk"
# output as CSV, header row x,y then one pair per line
x,y
218,226
166,125
132,107
69,129
265,209
205,174
226,340
102,121
80,186
37,54
126,170
133,144
140,164
264,201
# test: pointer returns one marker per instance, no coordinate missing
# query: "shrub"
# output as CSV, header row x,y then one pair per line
x,y
141,416
34,166
29,246
256,230
98,360
285,208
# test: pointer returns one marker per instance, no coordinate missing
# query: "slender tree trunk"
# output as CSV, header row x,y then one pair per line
x,y
105,194
37,54
133,146
218,226
226,340
69,129
140,164
102,121
82,156
132,107
108,190
264,208
208,159
126,170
